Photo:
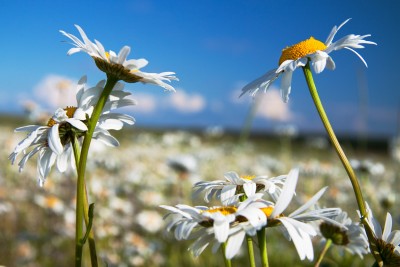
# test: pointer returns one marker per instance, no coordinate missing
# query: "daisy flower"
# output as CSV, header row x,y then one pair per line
x,y
117,65
294,225
347,235
388,241
219,218
52,142
235,184
298,55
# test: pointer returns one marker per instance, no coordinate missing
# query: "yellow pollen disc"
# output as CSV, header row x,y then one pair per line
x,y
301,49
51,122
52,201
107,55
267,210
248,177
223,210
70,113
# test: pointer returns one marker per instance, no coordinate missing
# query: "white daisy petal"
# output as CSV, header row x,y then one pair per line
x,y
54,140
286,85
287,193
234,244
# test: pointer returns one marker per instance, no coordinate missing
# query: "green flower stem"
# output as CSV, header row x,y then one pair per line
x,y
262,243
251,251
92,243
323,252
226,260
245,132
343,158
80,194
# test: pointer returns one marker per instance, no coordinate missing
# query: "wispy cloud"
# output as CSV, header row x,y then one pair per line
x,y
55,91
187,103
180,101
270,105
146,103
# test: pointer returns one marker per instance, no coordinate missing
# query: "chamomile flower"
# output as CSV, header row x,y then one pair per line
x,y
235,184
219,218
311,50
346,234
387,242
295,224
117,65
52,141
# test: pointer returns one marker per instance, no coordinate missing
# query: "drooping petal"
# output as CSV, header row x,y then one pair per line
x,y
234,244
318,61
54,141
286,85
62,162
262,83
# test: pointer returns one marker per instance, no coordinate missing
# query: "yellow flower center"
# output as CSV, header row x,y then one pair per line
x,y
301,49
52,201
223,210
267,210
248,177
107,55
70,113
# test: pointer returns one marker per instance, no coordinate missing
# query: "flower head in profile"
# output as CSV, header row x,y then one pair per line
x,y
117,65
52,141
235,185
216,225
345,234
219,218
387,242
295,224
310,51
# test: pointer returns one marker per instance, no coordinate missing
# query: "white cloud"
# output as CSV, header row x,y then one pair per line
x,y
184,102
271,106
55,91
146,103
179,101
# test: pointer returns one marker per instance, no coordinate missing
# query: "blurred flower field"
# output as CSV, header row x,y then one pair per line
x,y
151,168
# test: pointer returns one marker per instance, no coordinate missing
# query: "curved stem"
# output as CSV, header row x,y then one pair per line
x,y
343,159
262,243
80,194
323,252
226,260
250,249
92,243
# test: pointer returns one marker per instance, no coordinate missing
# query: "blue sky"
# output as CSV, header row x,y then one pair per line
x,y
215,48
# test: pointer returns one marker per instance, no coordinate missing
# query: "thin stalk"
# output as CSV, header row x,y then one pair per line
x,y
226,260
245,132
346,164
262,243
80,194
250,249
92,243
323,252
